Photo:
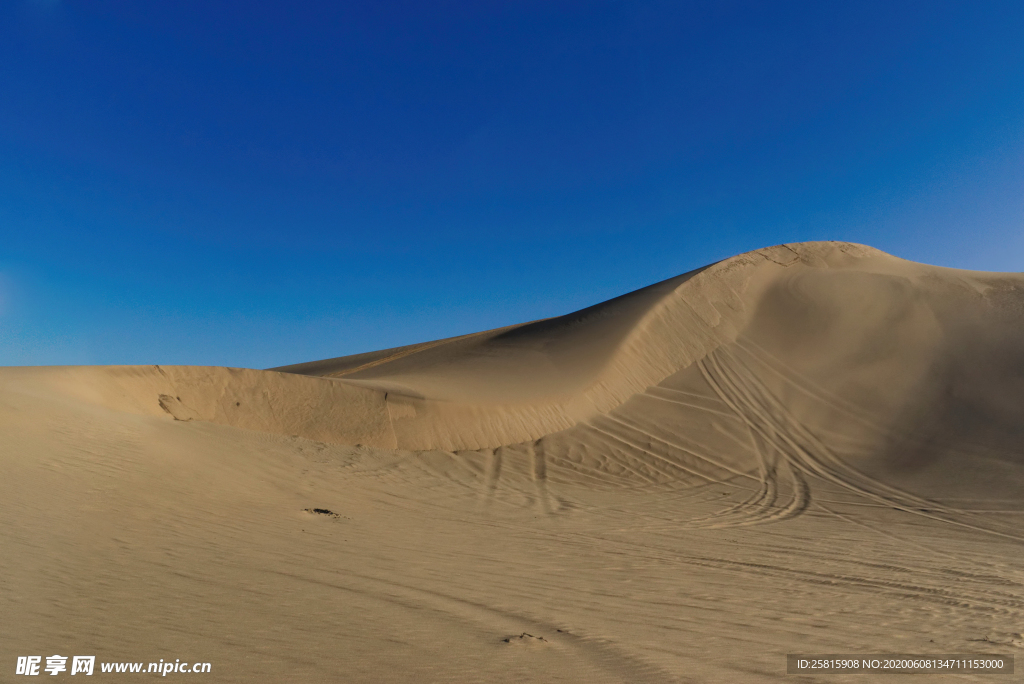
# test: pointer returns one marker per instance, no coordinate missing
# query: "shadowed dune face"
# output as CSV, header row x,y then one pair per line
x,y
931,360
813,447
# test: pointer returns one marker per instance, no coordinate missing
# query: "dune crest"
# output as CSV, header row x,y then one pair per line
x,y
523,382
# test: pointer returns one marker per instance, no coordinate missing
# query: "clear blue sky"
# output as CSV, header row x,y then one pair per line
x,y
261,183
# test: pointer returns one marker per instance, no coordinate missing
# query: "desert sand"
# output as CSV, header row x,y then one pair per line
x,y
810,448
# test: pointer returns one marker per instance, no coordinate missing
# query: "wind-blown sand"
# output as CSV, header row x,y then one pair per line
x,y
813,448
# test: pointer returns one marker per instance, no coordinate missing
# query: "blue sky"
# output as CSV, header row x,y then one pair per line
x,y
255,184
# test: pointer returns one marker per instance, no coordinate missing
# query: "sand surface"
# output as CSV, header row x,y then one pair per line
x,y
813,448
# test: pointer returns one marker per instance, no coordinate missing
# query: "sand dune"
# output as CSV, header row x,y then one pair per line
x,y
808,448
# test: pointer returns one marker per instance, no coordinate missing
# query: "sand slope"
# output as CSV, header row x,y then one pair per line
x,y
808,448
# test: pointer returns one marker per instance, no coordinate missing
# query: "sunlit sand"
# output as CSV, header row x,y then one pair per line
x,y
812,448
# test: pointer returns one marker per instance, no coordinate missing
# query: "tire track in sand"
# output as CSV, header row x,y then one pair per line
x,y
737,386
